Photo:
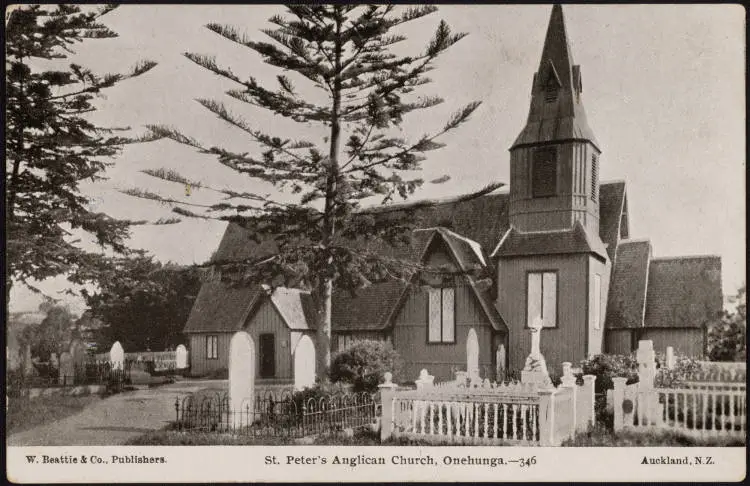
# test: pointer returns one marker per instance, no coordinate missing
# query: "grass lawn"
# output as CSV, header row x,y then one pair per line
x,y
599,437
360,438
602,437
24,413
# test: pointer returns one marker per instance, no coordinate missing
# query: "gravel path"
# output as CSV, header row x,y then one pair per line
x,y
113,420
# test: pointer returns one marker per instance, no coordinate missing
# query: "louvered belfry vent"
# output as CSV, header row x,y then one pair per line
x,y
544,173
594,177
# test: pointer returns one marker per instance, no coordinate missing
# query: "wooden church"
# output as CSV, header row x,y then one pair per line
x,y
557,245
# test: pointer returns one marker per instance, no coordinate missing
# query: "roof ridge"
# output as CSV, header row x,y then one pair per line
x,y
686,257
634,240
436,201
612,181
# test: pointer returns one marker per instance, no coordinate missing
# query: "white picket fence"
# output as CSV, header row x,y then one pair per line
x,y
712,403
481,412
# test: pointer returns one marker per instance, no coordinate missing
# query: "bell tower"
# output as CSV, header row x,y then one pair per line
x,y
554,162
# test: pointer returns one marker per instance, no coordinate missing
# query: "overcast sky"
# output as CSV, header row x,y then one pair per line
x,y
663,87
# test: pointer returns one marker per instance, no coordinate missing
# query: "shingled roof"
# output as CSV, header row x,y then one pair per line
x,y
612,206
627,291
683,291
484,220
575,240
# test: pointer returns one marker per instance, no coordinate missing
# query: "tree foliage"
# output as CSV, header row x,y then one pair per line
x,y
53,335
322,237
51,146
727,340
143,304
364,363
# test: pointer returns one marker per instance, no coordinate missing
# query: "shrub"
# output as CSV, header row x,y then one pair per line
x,y
364,363
684,368
608,366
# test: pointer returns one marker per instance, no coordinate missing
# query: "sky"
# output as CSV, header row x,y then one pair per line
x,y
663,88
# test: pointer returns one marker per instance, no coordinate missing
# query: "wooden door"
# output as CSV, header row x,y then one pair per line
x,y
267,351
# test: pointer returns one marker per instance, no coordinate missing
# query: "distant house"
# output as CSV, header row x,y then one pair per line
x,y
555,247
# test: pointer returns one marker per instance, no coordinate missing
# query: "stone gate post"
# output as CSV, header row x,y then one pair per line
x,y
387,394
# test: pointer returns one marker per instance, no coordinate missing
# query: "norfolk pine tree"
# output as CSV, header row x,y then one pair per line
x,y
50,146
324,239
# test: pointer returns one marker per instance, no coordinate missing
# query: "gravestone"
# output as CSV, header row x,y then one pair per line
x,y
425,380
117,356
78,352
500,363
304,363
66,369
472,355
670,360
242,374
181,357
535,369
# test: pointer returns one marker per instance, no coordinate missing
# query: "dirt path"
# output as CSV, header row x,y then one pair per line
x,y
114,420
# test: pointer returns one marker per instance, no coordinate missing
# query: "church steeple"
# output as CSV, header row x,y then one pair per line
x,y
556,111
554,160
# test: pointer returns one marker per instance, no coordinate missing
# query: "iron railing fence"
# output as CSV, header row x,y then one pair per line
x,y
275,414
90,373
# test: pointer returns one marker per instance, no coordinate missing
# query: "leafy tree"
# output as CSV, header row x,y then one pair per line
x,y
50,145
727,340
143,303
322,237
53,334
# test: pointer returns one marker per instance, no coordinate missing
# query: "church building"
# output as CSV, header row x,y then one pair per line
x,y
557,246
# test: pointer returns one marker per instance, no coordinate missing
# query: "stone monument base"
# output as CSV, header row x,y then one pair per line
x,y
537,377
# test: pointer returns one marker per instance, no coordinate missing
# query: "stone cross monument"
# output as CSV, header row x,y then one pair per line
x,y
535,369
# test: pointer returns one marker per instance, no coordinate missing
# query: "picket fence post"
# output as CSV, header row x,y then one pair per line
x,y
618,397
547,417
589,399
387,394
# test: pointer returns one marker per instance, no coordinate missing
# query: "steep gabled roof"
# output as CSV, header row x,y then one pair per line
x,y
626,302
220,308
683,291
374,307
483,220
369,309
575,240
296,308
612,206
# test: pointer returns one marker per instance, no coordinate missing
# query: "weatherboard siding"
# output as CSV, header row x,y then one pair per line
x,y
684,341
410,337
266,320
566,342
595,343
199,364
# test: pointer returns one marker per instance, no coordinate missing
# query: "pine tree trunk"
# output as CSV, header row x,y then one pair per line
x,y
325,294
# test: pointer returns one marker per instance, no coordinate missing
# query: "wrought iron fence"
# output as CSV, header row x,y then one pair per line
x,y
89,373
275,414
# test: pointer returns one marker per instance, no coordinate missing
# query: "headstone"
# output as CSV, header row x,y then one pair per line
x,y
472,354
181,357
304,363
500,363
27,363
425,380
568,379
670,358
535,369
78,352
242,374
117,356
66,370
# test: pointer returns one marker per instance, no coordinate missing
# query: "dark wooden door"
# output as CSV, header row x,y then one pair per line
x,y
267,356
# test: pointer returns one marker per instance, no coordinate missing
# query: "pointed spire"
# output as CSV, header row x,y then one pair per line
x,y
556,51
556,111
